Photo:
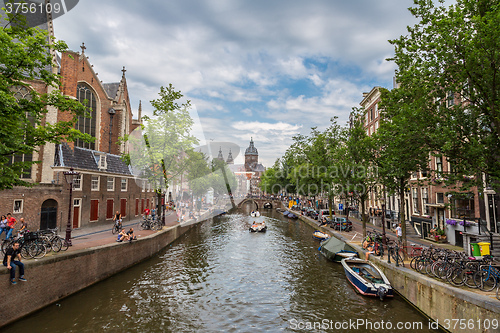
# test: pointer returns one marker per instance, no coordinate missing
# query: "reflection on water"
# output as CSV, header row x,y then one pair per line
x,y
220,277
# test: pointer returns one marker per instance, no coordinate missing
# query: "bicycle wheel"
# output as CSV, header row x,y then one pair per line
x,y
469,278
485,280
65,244
24,252
498,292
5,245
457,277
37,250
56,244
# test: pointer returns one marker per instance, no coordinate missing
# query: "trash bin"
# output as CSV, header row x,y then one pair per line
x,y
484,248
476,252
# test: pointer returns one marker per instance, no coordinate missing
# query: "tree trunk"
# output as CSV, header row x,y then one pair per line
x,y
402,212
363,214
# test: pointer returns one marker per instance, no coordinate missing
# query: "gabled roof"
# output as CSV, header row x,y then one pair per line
x,y
87,159
111,89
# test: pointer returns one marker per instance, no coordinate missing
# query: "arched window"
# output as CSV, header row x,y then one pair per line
x,y
86,124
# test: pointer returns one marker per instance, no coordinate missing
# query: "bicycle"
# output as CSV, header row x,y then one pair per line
x,y
117,227
487,279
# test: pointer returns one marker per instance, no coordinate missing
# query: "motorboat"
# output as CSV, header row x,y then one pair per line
x,y
258,227
321,236
268,205
367,278
335,250
290,215
255,213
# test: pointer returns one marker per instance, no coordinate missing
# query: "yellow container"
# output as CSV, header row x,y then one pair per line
x,y
484,248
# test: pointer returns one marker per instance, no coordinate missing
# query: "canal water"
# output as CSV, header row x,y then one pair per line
x,y
219,277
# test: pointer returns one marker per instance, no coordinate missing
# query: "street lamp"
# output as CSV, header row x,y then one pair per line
x,y
70,176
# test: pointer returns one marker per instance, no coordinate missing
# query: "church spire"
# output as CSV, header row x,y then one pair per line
x,y
220,157
140,111
230,157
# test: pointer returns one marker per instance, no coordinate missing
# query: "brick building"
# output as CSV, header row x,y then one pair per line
x,y
105,184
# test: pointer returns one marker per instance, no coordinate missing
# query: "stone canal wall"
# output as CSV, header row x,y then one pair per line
x,y
53,278
455,309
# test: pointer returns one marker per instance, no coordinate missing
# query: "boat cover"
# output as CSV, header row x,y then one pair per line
x,y
332,246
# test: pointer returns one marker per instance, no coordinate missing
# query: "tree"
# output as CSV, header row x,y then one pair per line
x,y
26,58
453,56
161,149
402,142
358,158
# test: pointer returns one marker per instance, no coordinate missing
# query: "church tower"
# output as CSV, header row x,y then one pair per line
x,y
230,159
251,157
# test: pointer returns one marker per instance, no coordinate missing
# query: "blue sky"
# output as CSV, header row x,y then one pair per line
x,y
262,69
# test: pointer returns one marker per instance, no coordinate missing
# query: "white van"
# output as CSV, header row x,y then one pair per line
x,y
325,212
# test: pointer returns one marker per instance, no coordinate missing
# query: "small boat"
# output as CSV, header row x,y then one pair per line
x,y
292,216
367,278
258,227
335,250
268,205
321,236
255,214
285,213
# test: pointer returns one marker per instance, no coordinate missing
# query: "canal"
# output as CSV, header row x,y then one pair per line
x,y
219,277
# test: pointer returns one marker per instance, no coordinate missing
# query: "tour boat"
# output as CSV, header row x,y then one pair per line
x,y
258,227
335,250
268,205
321,236
367,278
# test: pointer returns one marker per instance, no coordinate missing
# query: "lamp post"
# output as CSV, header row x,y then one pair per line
x,y
69,176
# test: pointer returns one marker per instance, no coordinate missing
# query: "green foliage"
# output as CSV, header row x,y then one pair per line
x,y
452,58
25,58
162,148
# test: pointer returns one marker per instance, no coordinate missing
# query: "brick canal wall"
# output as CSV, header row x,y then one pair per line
x,y
61,275
441,302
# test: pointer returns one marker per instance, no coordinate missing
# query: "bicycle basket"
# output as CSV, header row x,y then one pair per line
x,y
30,236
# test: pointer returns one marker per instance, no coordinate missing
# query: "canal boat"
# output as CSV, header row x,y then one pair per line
x,y
335,250
367,278
258,227
255,213
321,236
268,205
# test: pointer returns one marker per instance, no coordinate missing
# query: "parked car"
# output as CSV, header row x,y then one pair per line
x,y
342,224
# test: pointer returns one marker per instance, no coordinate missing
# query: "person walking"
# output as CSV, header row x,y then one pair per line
x,y
3,226
12,260
11,223
399,233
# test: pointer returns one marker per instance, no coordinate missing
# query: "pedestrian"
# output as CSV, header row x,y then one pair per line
x,y
11,223
10,262
4,226
24,226
131,235
399,233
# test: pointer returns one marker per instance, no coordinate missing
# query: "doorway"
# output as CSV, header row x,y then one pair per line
x,y
76,213
48,215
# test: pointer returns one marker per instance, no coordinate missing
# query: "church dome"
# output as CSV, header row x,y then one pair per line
x,y
251,150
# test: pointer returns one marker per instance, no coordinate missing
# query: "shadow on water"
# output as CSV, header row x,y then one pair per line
x,y
220,277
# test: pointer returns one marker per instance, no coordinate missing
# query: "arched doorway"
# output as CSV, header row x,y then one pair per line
x,y
48,215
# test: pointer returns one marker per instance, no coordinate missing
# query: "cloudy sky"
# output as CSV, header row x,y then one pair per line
x,y
263,69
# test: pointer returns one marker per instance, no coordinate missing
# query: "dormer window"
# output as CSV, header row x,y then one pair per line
x,y
101,162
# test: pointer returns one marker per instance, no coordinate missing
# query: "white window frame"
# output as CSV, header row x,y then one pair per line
x,y
425,196
92,188
124,181
110,181
414,198
143,186
103,164
21,206
78,180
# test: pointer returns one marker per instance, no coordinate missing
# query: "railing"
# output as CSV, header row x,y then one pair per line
x,y
483,224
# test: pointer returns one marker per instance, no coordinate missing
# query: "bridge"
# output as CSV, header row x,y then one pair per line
x,y
259,203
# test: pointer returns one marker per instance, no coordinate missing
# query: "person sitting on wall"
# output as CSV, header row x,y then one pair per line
x,y
122,236
131,236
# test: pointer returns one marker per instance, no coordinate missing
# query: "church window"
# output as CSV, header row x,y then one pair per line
x,y
86,123
20,93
